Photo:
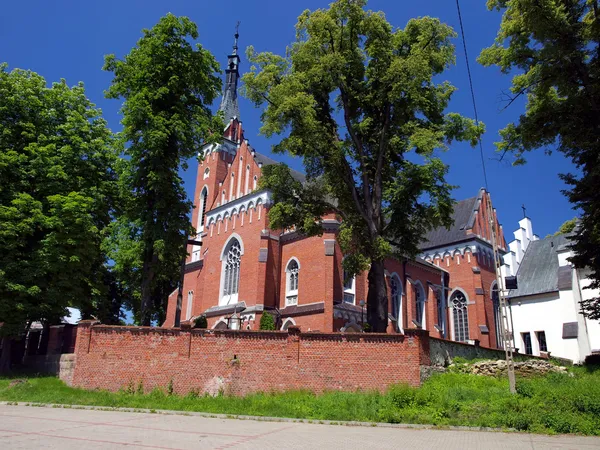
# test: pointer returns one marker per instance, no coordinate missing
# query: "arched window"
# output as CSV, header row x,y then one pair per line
x,y
231,183
231,272
349,288
497,315
420,304
441,310
460,316
188,309
247,182
221,325
206,173
287,324
396,288
291,291
223,198
202,209
254,183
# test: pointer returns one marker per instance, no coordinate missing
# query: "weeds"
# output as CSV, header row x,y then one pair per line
x,y
555,403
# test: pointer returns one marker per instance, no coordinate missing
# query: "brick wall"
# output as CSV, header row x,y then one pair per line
x,y
241,362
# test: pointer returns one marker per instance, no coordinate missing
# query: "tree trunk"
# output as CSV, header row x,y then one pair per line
x,y
5,357
147,281
377,300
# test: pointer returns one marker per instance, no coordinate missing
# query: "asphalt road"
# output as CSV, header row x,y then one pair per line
x,y
26,427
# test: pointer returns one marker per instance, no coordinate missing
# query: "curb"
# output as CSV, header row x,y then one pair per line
x,y
346,423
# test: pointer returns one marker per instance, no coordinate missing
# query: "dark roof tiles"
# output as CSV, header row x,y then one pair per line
x,y
538,272
462,216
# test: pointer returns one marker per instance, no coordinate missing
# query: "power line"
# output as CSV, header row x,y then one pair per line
x,y
462,32
506,326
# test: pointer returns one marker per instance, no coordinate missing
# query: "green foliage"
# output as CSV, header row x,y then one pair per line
x,y
201,322
354,97
167,85
57,197
551,48
566,228
267,322
556,403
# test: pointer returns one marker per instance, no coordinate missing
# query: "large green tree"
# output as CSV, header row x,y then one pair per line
x,y
359,101
57,195
552,48
168,85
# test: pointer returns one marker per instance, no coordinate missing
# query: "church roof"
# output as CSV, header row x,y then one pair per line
x,y
539,270
464,219
266,161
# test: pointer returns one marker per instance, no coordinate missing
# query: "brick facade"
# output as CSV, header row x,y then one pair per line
x,y
242,362
233,209
230,208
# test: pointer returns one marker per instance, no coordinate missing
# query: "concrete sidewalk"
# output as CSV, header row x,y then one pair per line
x,y
23,427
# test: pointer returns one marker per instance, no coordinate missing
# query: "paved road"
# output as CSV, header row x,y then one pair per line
x,y
26,427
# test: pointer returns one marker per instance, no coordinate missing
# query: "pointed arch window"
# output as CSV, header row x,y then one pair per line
x,y
291,290
460,315
419,304
247,181
188,309
202,209
349,288
441,310
396,288
232,256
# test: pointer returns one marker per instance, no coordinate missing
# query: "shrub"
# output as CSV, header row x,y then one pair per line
x,y
267,322
201,322
401,395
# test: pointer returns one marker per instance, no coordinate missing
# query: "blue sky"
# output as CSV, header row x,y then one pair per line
x,y
68,39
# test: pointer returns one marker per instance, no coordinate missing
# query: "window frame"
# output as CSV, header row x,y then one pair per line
x,y
398,294
539,341
230,297
418,288
188,307
460,331
291,295
349,290
527,335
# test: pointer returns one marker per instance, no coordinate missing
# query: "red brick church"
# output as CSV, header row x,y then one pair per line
x,y
244,268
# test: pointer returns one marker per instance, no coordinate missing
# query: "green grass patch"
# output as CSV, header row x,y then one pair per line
x,y
555,403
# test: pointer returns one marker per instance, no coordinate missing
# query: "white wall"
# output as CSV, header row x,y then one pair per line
x,y
545,312
593,326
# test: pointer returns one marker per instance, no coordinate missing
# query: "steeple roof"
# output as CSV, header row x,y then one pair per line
x,y
229,103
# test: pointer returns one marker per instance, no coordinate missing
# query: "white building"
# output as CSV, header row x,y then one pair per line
x,y
545,308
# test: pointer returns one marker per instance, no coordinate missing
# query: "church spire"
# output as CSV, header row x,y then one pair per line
x,y
229,103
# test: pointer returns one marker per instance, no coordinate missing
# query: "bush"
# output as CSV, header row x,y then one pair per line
x,y
401,395
201,322
267,322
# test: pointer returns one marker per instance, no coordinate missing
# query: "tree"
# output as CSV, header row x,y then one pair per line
x,y
553,49
353,97
168,85
566,228
201,322
57,197
267,322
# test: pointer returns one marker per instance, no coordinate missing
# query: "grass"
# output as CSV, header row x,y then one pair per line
x,y
555,403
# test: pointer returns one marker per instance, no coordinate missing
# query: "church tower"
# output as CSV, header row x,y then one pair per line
x,y
229,103
215,171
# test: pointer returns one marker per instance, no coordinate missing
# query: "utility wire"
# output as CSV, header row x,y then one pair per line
x,y
462,32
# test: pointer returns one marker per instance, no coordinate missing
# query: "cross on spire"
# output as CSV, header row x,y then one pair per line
x,y
229,102
524,210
